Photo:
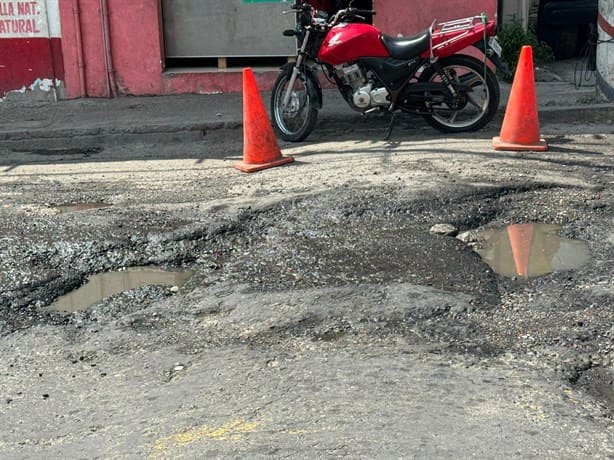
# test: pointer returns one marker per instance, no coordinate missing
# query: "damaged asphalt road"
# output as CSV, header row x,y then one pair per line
x,y
324,318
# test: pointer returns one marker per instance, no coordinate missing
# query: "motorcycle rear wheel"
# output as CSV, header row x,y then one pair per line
x,y
469,111
297,120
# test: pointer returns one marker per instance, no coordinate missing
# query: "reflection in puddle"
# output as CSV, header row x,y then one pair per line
x,y
73,207
105,284
530,250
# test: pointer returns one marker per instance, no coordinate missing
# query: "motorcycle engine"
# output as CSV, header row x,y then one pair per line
x,y
365,94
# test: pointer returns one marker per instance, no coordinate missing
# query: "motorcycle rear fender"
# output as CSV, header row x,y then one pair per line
x,y
496,60
312,83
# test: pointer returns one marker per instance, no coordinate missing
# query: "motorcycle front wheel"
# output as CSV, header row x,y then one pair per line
x,y
467,110
294,122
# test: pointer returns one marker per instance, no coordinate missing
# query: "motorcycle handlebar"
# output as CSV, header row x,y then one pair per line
x,y
365,12
350,12
302,6
307,6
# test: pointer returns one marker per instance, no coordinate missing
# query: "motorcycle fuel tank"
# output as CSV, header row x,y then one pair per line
x,y
351,41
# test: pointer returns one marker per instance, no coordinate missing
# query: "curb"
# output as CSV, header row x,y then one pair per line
x,y
173,132
591,113
109,136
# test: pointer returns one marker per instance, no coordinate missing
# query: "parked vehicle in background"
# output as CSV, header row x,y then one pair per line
x,y
566,25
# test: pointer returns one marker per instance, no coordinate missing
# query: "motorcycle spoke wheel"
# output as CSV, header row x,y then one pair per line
x,y
466,110
295,121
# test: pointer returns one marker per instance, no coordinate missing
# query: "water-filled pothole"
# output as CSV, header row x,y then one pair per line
x,y
74,207
531,250
106,284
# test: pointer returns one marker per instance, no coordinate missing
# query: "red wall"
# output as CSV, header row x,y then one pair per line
x,y
137,45
405,17
23,61
30,46
135,64
136,60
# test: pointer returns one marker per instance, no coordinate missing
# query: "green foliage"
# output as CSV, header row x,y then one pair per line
x,y
512,37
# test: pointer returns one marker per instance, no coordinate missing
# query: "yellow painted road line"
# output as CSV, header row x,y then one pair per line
x,y
231,431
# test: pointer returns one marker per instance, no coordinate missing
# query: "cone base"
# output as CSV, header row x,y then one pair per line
x,y
498,144
253,167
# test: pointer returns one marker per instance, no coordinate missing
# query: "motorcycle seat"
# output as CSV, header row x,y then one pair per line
x,y
407,47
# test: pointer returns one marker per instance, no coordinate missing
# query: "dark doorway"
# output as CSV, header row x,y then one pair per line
x,y
566,25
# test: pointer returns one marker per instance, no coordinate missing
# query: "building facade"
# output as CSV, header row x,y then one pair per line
x,y
107,48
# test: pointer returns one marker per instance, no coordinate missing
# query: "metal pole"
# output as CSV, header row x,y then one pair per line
x,y
108,54
51,54
80,55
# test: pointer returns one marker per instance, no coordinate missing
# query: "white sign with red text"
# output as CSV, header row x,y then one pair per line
x,y
29,19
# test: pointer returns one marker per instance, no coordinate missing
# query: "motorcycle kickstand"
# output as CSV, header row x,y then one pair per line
x,y
391,126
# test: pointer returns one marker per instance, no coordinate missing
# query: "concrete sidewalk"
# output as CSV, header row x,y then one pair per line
x,y
109,121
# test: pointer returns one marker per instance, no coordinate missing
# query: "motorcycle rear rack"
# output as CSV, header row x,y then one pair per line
x,y
458,24
443,28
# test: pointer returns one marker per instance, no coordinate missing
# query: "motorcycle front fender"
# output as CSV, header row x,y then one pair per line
x,y
311,82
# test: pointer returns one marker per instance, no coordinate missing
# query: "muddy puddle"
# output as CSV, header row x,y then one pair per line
x,y
75,207
531,250
106,284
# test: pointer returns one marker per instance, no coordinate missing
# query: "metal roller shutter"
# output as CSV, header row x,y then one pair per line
x,y
226,28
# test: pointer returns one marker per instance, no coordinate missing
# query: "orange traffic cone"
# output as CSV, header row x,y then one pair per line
x,y
260,147
520,129
521,236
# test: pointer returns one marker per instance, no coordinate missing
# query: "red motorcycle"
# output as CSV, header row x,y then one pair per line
x,y
420,74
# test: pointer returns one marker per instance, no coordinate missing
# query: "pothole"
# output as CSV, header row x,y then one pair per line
x,y
530,250
62,151
109,283
333,249
84,206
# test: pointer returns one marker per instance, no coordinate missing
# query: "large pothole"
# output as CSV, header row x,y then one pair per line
x,y
342,237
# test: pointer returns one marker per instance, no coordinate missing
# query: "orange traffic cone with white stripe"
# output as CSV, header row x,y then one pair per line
x,y
260,147
520,129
